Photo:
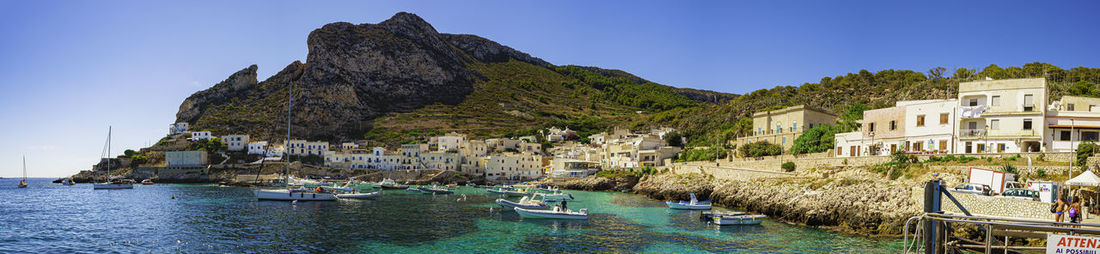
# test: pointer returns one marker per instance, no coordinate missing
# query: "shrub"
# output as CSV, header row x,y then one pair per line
x,y
1084,150
1008,168
758,149
788,166
815,140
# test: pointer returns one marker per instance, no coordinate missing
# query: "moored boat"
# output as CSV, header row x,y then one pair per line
x,y
436,190
358,195
111,185
392,185
23,183
693,204
294,195
67,181
413,189
531,202
147,182
744,219
556,213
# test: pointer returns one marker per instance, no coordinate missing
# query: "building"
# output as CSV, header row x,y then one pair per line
x,y
235,142
502,144
376,159
410,155
474,148
563,167
1070,121
201,135
349,146
258,147
528,147
1002,116
307,148
930,125
850,144
441,161
177,128
513,166
557,135
884,129
179,159
782,126
451,141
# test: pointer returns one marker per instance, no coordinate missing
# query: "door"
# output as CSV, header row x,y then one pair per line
x,y
893,148
969,147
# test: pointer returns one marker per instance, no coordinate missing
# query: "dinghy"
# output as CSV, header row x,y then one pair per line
x,y
693,204
753,219
556,213
358,195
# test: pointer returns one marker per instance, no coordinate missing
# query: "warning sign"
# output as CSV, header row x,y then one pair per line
x,y
1070,244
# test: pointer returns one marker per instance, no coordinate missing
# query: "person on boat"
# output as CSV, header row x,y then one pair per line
x,y
564,205
22,182
319,190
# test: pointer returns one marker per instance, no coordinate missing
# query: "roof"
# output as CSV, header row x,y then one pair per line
x,y
1085,179
793,108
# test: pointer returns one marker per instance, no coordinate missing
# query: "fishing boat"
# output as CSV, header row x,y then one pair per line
x,y
147,182
297,194
532,202
744,219
390,184
23,183
436,190
556,213
358,195
109,184
693,204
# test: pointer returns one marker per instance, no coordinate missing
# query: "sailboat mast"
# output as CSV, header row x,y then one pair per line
x,y
286,148
108,153
24,168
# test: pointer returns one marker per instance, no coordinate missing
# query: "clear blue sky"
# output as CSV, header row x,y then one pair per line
x,y
71,68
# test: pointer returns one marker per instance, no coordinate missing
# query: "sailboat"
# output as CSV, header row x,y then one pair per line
x,y
293,194
110,185
23,183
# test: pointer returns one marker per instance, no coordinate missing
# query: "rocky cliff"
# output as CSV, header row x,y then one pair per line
x,y
355,74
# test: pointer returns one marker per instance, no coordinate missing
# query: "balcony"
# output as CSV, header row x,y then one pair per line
x,y
972,133
972,111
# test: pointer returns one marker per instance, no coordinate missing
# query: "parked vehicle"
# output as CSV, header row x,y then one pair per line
x,y
973,188
1022,194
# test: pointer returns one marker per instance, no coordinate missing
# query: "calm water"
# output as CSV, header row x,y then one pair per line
x,y
51,218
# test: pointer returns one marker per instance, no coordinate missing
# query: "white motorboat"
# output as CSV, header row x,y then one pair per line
x,y
390,184
288,194
147,182
753,219
518,192
413,189
693,204
531,202
556,213
111,185
358,195
436,190
294,195
558,195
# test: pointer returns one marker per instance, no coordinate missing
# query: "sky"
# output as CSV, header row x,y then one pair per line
x,y
70,69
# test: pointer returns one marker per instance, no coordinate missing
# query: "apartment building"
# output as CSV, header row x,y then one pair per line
x,y
930,125
235,142
513,166
410,155
376,159
305,148
441,160
1070,121
1002,116
201,135
782,126
451,141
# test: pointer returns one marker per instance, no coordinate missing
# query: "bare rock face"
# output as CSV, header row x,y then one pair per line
x,y
235,85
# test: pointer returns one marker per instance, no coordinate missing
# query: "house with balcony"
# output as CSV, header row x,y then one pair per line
x,y
783,126
929,126
410,155
1070,121
513,166
1001,116
306,148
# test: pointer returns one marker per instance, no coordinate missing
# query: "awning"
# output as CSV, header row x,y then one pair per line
x,y
1085,179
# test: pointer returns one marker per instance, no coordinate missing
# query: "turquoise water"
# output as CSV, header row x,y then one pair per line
x,y
49,218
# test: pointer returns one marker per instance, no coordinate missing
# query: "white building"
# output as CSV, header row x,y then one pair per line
x,y
410,155
306,148
441,161
376,159
235,142
1070,121
1002,116
513,166
177,128
258,147
557,135
850,144
201,135
930,125
562,167
451,141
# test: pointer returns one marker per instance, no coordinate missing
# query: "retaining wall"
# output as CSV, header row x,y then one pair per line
x,y
998,207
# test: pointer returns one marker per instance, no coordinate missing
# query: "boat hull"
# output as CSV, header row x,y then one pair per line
x,y
516,193
509,204
395,187
548,214
436,191
358,195
739,220
284,195
22,186
112,186
688,206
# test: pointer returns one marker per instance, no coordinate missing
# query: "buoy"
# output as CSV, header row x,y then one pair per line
x,y
173,196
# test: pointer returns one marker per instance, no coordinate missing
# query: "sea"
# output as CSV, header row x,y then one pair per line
x,y
190,218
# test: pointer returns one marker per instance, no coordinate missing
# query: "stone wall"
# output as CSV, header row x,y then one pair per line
x,y
998,207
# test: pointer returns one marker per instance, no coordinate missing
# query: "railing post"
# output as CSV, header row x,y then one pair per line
x,y
988,238
931,205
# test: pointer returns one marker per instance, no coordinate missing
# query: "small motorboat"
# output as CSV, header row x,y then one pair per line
x,y
390,184
294,195
556,213
147,182
744,219
358,195
558,195
67,181
497,191
526,203
709,216
518,192
413,189
693,204
436,190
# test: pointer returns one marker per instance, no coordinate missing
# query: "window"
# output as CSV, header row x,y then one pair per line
x,y
794,126
778,128
943,145
1089,136
893,125
1027,124
871,127
1000,147
784,140
973,102
838,151
996,101
1069,106
1064,135
920,120
995,124
1028,102
944,117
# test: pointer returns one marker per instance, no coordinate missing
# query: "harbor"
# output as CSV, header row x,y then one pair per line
x,y
210,218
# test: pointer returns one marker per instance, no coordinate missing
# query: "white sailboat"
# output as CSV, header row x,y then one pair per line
x,y
23,183
289,194
108,184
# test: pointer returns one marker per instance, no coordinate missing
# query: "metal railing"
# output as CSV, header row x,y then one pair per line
x,y
972,133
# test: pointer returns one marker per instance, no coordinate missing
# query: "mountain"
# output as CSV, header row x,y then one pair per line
x,y
400,79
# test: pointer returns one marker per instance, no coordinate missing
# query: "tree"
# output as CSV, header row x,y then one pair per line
x,y
758,149
963,74
815,140
674,139
849,120
937,73
129,152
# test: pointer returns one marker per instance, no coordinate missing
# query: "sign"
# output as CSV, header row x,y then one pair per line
x,y
1071,244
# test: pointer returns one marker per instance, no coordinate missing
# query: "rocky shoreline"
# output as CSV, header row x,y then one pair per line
x,y
848,201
